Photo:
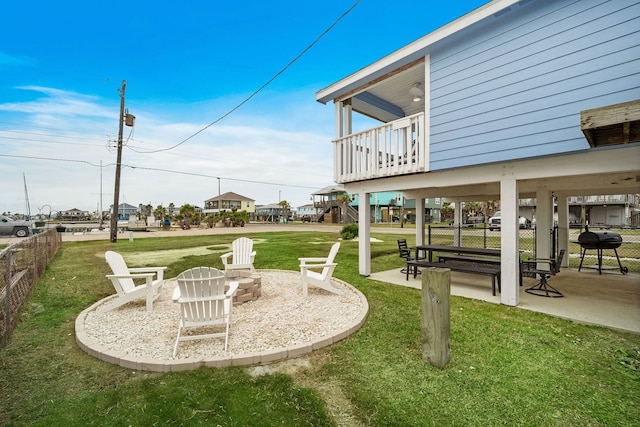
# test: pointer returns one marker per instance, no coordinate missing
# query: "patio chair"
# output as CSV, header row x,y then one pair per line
x,y
405,253
242,255
123,281
203,303
321,279
543,288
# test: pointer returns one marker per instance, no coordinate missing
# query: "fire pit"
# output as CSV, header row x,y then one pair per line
x,y
250,285
599,241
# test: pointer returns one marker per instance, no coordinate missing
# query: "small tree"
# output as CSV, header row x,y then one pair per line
x,y
187,212
446,211
284,205
344,200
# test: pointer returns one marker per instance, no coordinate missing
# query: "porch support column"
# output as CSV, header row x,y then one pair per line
x,y
364,233
420,231
544,223
510,242
348,117
457,220
563,228
339,119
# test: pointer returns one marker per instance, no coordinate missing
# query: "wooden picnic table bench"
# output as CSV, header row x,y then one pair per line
x,y
493,272
469,259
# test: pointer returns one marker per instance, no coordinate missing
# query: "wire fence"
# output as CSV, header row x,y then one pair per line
x,y
626,257
21,265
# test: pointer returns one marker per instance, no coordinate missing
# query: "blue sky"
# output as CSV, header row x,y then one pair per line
x,y
185,66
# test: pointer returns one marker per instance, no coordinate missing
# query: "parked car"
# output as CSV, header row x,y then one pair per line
x,y
306,218
14,227
496,220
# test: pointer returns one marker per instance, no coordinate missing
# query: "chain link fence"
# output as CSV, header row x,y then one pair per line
x,y
21,265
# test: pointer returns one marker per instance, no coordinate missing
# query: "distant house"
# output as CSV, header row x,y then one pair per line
x,y
272,212
515,100
309,209
125,210
75,215
227,202
329,205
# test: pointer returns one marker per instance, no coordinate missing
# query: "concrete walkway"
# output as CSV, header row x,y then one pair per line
x,y
610,299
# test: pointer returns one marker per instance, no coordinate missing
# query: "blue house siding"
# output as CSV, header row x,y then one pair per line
x,y
513,86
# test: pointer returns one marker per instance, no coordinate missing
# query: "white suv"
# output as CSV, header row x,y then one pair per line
x,y
495,220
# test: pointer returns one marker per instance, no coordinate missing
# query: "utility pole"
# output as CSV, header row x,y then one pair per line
x,y
116,192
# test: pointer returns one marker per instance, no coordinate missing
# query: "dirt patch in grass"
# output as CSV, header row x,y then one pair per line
x,y
305,372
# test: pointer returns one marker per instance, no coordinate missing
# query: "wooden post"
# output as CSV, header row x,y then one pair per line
x,y
436,285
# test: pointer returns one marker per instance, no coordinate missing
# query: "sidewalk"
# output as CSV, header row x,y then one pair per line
x,y
196,231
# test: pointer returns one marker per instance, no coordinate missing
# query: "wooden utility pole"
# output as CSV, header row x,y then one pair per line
x,y
116,192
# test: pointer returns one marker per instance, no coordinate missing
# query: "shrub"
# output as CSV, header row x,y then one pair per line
x,y
349,232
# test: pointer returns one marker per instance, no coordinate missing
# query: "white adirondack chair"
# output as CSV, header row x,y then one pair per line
x,y
242,255
123,280
203,302
321,279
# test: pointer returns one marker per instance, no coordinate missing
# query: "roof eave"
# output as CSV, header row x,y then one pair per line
x,y
408,52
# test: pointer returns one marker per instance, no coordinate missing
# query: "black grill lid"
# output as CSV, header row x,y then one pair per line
x,y
599,239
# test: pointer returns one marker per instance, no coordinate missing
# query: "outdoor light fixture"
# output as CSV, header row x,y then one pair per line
x,y
416,92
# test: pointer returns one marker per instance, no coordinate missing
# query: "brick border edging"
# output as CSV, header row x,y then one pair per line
x,y
247,359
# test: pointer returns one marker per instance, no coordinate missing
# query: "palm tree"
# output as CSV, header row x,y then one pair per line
x,y
160,212
284,205
188,212
344,200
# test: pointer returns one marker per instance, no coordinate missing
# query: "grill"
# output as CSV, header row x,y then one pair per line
x,y
600,240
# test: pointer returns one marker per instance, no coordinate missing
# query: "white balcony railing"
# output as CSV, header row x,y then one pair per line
x,y
395,148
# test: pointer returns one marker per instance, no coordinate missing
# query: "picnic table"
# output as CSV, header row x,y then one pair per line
x,y
458,258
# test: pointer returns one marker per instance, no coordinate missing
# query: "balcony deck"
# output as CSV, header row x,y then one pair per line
x,y
395,148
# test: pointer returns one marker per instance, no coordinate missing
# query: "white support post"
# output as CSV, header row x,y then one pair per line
x,y
563,228
339,119
510,242
420,231
457,220
544,223
364,234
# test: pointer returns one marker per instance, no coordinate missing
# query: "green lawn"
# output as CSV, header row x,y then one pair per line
x,y
508,367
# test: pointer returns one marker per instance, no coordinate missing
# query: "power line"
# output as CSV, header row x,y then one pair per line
x,y
46,141
158,170
46,134
275,76
216,177
53,159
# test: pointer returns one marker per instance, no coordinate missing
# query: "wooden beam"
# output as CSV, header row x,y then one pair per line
x,y
610,115
612,124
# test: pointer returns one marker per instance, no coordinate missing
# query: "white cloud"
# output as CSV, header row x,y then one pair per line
x,y
262,162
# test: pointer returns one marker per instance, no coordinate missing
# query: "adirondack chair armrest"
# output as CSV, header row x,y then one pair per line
x,y
317,266
307,260
157,270
225,257
233,287
131,276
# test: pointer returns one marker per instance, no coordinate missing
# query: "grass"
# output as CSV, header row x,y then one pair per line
x,y
508,366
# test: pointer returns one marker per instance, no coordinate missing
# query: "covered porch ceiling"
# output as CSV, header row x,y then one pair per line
x,y
391,97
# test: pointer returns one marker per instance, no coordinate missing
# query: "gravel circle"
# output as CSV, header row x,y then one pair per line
x,y
280,317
